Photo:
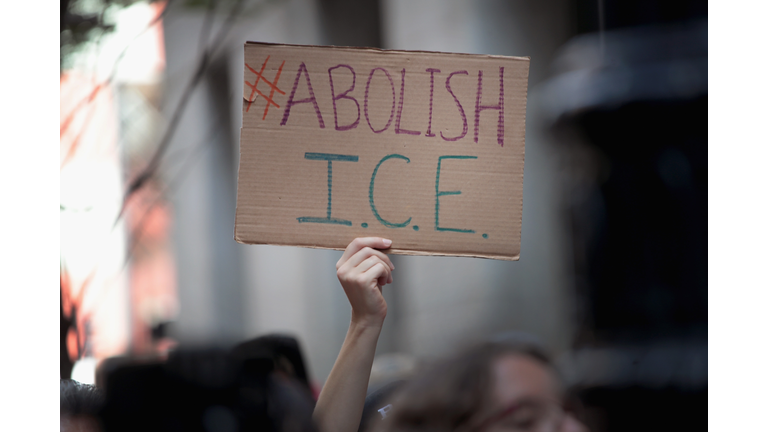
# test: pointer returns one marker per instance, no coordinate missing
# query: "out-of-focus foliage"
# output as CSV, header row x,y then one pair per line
x,y
85,22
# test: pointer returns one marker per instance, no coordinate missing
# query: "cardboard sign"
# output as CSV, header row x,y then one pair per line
x,y
423,148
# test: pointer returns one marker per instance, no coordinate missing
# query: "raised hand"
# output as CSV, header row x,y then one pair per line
x,y
363,270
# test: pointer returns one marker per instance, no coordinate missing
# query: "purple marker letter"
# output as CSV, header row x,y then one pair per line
x,y
500,106
400,109
458,104
311,98
431,93
365,102
343,95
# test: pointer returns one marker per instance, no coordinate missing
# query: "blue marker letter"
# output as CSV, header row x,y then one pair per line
x,y
370,193
330,158
439,193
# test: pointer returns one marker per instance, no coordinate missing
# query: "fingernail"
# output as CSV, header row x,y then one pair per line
x,y
387,242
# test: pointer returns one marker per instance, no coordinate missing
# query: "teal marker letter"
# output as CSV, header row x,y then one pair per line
x,y
370,193
439,193
330,158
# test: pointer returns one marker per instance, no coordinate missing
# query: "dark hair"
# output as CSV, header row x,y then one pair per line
x,y
274,353
451,395
79,399
205,389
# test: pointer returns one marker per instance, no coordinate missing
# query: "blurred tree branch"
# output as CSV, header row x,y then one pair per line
x,y
203,63
83,21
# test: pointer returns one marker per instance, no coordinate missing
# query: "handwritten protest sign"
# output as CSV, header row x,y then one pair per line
x,y
422,148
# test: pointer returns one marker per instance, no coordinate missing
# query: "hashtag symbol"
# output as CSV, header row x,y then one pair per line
x,y
273,87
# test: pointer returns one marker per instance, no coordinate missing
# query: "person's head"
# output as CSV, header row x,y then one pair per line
x,y
205,389
509,384
79,407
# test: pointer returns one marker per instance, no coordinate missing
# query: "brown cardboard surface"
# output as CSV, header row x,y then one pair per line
x,y
335,144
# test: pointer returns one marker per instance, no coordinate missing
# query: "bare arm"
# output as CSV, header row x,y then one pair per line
x,y
363,271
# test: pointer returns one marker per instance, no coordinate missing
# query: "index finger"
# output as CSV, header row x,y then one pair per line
x,y
361,242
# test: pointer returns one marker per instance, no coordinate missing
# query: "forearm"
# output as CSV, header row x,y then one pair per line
x,y
340,405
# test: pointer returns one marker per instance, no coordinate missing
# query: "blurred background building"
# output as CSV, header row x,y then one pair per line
x,y
612,275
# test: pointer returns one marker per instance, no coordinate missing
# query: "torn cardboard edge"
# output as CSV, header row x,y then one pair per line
x,y
395,251
386,50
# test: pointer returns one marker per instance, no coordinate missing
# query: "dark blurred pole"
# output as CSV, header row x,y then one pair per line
x,y
209,263
351,22
228,303
635,128
65,324
601,18
630,108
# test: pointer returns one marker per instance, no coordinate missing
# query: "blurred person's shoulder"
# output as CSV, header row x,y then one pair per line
x,y
378,404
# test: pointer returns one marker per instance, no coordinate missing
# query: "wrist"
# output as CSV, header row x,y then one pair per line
x,y
368,323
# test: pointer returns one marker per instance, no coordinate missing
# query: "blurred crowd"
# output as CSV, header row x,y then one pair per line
x,y
505,384
508,383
